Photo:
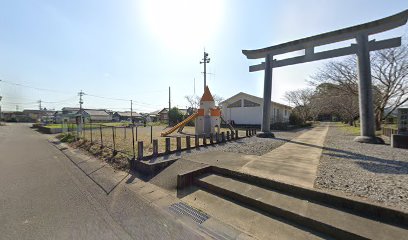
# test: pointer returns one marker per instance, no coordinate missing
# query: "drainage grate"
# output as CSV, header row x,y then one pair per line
x,y
184,209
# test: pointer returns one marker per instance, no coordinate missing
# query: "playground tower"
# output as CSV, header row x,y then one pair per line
x,y
209,117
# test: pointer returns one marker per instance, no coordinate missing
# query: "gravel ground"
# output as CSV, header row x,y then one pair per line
x,y
377,173
250,145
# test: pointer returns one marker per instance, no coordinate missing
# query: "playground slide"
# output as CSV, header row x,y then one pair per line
x,y
229,125
180,124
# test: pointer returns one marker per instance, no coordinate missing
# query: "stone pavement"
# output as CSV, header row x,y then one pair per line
x,y
294,162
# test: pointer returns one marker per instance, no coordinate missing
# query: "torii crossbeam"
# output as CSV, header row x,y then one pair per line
x,y
362,49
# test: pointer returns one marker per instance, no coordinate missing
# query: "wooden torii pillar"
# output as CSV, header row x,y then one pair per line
x,y
362,49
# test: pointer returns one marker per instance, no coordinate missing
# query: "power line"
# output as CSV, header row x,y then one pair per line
x,y
91,95
36,88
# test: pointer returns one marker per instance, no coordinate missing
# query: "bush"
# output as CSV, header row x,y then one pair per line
x,y
175,116
295,120
279,126
67,137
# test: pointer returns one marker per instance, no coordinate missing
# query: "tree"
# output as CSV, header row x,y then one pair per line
x,y
217,99
301,99
389,74
194,100
332,99
175,116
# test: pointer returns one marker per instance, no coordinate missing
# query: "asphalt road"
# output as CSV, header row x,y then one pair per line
x,y
43,195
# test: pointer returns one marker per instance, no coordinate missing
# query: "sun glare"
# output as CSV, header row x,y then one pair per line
x,y
182,24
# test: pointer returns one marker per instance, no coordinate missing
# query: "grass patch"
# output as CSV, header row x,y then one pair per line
x,y
352,130
67,137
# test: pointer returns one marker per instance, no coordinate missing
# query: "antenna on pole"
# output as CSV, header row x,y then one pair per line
x,y
204,61
81,93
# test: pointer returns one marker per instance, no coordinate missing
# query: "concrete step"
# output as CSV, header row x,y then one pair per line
x,y
317,217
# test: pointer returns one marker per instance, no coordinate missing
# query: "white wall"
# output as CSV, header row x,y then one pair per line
x,y
253,115
243,115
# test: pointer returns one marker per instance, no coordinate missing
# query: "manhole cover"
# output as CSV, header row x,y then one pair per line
x,y
184,209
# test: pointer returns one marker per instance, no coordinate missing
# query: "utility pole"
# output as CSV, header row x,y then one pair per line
x,y
81,93
168,113
39,102
204,61
1,116
131,111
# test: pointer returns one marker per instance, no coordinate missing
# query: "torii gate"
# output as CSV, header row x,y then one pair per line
x,y
361,49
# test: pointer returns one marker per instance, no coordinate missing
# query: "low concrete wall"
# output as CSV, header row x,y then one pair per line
x,y
50,130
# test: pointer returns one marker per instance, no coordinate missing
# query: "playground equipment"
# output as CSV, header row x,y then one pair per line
x,y
180,124
207,118
228,125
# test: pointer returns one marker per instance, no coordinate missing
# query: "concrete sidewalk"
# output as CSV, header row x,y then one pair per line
x,y
294,162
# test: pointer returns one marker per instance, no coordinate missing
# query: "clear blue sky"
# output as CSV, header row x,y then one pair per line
x,y
137,49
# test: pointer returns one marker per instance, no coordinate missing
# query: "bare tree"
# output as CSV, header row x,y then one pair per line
x,y
389,74
332,99
193,100
218,99
301,99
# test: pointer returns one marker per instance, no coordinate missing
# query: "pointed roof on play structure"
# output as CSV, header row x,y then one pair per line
x,y
207,96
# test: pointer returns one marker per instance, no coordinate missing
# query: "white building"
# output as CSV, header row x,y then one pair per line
x,y
246,109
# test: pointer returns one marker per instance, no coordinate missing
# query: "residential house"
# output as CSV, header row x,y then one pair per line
x,y
66,114
95,115
127,116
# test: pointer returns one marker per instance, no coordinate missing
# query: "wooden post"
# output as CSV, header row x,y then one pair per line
x,y
222,136
217,137
113,138
246,133
236,134
197,141
188,142
91,131
100,131
151,134
232,135
140,150
204,140
155,147
167,145
136,133
211,138
228,136
178,142
133,143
